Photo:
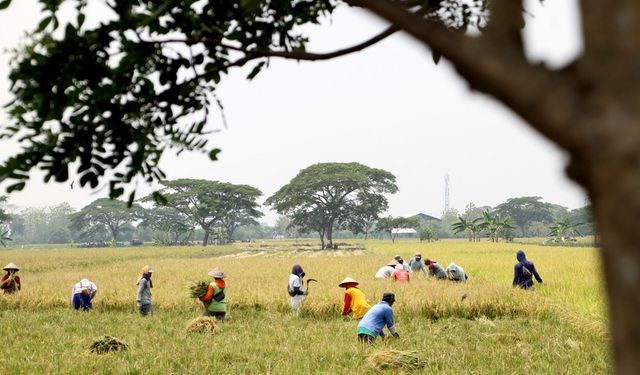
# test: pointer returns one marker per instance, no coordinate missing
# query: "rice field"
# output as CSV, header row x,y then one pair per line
x,y
558,327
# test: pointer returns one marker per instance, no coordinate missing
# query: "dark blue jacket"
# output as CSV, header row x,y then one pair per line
x,y
519,278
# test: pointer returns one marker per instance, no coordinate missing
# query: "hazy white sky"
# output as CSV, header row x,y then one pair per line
x,y
387,107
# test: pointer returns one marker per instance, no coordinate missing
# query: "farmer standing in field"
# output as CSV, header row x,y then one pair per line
x,y
435,269
416,264
143,297
295,288
215,301
524,271
456,273
355,301
10,283
373,322
82,294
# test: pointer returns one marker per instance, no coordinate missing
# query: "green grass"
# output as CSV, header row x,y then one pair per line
x,y
558,327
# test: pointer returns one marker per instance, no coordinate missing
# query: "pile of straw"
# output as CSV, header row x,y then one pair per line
x,y
198,289
107,344
203,324
396,359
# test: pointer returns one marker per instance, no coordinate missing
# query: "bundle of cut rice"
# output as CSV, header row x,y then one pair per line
x,y
107,344
198,289
203,324
396,359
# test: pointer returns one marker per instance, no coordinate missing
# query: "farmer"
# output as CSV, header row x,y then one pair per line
x,y
456,273
386,271
143,297
524,271
215,301
435,269
355,302
295,289
416,264
373,322
82,294
401,275
400,261
10,283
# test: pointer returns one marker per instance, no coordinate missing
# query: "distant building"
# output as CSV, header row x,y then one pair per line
x,y
404,233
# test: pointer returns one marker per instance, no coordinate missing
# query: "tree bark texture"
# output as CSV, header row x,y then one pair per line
x,y
591,109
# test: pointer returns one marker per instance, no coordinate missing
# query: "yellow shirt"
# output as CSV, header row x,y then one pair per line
x,y
359,304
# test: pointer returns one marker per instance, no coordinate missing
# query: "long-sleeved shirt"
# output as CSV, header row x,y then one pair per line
x,y
10,287
401,275
143,296
456,273
84,286
416,265
355,302
519,279
295,285
436,270
376,318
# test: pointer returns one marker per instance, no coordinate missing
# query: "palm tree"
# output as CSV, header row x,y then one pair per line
x,y
471,226
4,236
564,230
494,225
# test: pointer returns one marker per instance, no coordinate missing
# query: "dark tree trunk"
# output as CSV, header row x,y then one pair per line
x,y
329,232
205,241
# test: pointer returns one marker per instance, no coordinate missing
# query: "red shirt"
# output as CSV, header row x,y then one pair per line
x,y
10,287
401,276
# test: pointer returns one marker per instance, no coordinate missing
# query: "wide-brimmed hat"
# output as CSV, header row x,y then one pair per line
x,y
392,263
217,273
11,266
147,269
346,281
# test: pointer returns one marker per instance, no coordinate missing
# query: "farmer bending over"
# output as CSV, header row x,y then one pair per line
x,y
82,293
373,322
10,283
401,275
215,301
354,300
386,271
456,273
295,289
416,264
524,271
143,297
435,269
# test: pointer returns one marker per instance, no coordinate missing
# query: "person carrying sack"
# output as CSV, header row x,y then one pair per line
x,y
215,300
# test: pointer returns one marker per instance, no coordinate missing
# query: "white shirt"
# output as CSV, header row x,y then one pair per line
x,y
295,282
456,272
385,272
84,285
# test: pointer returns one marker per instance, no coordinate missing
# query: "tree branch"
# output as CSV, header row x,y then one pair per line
x,y
488,67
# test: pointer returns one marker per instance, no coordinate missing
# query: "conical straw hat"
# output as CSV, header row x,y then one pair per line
x,y
11,266
217,273
348,280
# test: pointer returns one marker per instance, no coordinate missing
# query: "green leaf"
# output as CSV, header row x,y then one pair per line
x,y
436,57
5,4
256,70
159,198
213,154
44,23
15,187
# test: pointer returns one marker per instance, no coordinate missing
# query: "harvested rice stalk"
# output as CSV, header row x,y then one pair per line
x,y
203,324
198,289
107,344
396,359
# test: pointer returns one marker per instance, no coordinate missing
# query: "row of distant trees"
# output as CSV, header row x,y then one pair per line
x,y
329,200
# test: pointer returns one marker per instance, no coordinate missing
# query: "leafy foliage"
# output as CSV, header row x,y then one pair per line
x,y
173,226
326,196
213,203
110,214
388,224
563,231
524,210
472,227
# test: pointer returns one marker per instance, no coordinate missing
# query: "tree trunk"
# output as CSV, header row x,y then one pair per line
x,y
205,241
329,232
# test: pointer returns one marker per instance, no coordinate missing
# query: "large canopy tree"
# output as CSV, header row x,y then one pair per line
x,y
212,204
327,196
113,214
524,210
123,86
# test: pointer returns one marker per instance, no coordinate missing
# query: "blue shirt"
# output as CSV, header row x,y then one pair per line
x,y
376,318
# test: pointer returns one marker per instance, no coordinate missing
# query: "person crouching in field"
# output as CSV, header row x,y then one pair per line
x,y
435,269
524,271
143,297
82,294
386,271
10,283
416,264
456,273
215,301
355,302
295,288
401,275
373,322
